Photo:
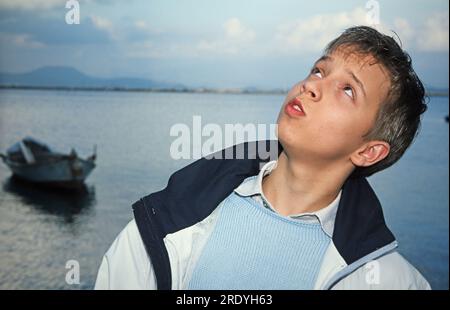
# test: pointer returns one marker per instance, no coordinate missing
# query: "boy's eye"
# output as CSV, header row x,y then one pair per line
x,y
316,72
349,91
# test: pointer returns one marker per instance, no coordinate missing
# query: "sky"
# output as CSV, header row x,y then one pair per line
x,y
210,43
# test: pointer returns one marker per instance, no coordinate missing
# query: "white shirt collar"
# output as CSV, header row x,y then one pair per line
x,y
252,186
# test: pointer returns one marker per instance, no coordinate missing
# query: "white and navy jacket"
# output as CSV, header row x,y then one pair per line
x,y
159,249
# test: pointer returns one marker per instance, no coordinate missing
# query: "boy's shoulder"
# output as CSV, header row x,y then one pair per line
x,y
126,265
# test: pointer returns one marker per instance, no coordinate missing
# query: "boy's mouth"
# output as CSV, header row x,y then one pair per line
x,y
295,108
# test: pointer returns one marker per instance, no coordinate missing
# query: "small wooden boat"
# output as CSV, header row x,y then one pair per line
x,y
33,161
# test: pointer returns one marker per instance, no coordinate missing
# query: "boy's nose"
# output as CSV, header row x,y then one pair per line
x,y
311,90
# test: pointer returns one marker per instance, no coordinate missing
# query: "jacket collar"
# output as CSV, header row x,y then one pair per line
x,y
360,228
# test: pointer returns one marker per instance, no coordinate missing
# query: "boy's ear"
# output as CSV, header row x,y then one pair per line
x,y
370,153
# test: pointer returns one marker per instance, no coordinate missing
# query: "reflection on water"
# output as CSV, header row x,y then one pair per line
x,y
67,203
43,228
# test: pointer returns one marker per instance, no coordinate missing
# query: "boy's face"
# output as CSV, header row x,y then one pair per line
x,y
339,101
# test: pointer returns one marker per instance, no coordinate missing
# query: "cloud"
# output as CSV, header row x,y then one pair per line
x,y
142,30
235,31
19,40
102,23
405,31
141,25
30,4
42,29
37,5
236,37
128,31
217,47
147,49
430,36
105,25
434,33
314,33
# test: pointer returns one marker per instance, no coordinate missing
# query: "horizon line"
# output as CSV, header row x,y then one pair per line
x,y
194,90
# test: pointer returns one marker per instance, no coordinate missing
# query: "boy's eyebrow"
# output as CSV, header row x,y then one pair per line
x,y
324,58
354,77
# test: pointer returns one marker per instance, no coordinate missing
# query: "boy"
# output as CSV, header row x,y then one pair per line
x,y
309,220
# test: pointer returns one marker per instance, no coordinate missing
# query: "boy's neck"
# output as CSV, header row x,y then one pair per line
x,y
295,187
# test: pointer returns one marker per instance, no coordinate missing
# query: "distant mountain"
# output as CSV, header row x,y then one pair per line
x,y
72,78
68,77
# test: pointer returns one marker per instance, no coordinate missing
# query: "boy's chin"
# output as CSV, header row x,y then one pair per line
x,y
288,134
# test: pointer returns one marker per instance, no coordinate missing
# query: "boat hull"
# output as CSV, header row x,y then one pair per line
x,y
64,172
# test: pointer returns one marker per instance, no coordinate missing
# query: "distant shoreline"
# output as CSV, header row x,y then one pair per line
x,y
152,90
178,90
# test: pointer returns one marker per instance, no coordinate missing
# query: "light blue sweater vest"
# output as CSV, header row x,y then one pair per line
x,y
254,248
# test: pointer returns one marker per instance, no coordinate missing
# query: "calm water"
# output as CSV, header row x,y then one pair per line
x,y
41,230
